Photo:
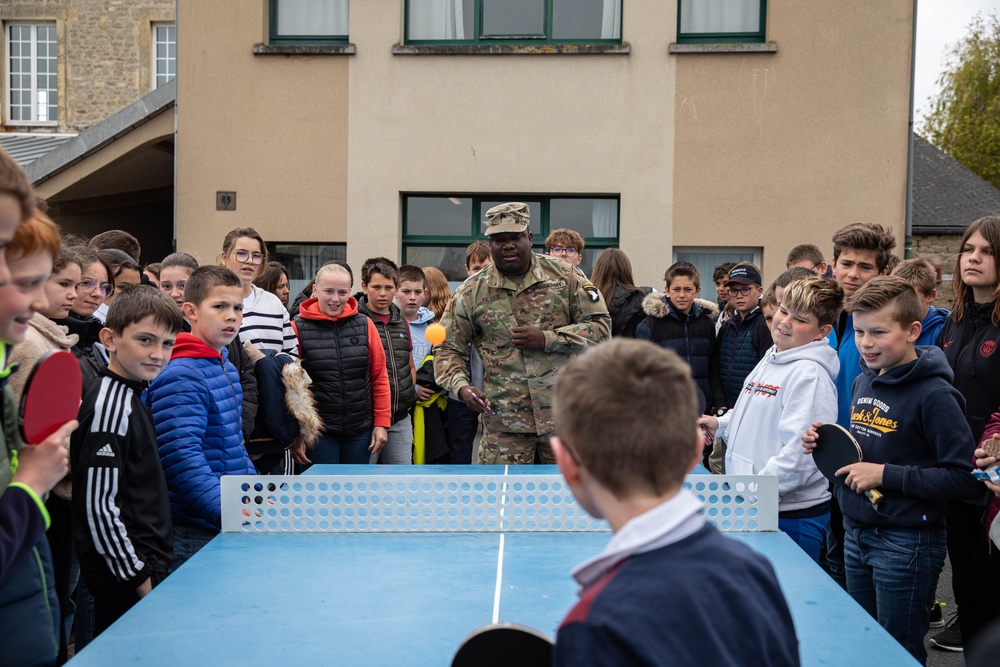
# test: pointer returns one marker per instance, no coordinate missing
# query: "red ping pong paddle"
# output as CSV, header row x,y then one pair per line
x,y
504,645
51,395
836,448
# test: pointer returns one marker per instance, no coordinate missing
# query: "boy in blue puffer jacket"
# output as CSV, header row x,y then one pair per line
x,y
196,404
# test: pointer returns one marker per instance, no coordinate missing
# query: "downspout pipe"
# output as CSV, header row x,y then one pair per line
x,y
908,239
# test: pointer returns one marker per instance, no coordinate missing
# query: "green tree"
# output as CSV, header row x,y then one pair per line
x,y
965,118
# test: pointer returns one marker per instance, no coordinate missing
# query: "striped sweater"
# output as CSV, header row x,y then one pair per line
x,y
122,528
266,323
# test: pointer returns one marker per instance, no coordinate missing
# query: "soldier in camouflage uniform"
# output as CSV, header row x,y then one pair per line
x,y
526,314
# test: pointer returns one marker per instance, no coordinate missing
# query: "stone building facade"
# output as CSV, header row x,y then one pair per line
x,y
941,250
105,59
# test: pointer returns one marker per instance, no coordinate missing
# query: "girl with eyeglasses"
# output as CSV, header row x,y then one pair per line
x,y
266,323
268,328
96,284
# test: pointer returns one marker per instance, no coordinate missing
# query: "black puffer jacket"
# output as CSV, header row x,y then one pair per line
x,y
740,344
691,334
396,342
626,310
92,361
335,354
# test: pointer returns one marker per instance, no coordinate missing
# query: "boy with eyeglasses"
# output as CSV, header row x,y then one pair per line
x,y
742,340
565,244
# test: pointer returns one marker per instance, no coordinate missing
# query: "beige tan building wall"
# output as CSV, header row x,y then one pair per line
x,y
510,123
311,142
104,54
753,149
273,129
777,149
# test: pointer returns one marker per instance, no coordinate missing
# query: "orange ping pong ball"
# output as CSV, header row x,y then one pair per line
x,y
435,334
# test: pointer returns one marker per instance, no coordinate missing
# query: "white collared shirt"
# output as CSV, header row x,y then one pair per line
x,y
667,523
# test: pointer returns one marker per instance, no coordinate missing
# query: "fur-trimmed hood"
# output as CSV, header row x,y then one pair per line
x,y
658,305
298,398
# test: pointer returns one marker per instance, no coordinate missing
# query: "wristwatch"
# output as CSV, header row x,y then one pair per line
x,y
721,411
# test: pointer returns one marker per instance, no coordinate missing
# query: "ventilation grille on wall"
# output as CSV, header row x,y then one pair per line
x,y
225,201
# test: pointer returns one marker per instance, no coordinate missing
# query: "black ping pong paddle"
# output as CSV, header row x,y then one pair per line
x,y
836,448
51,395
504,645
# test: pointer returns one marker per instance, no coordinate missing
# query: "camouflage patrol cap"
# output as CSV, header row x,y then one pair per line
x,y
511,217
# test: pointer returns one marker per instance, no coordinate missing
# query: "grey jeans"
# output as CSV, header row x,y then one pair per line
x,y
399,447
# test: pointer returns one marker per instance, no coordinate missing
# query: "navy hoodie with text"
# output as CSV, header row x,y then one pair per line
x,y
911,419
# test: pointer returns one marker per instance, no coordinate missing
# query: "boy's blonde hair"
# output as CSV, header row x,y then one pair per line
x,y
919,273
890,292
815,296
652,449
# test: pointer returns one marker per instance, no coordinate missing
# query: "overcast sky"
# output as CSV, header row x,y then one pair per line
x,y
940,23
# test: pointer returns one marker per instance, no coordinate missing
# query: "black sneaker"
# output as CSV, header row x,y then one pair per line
x,y
937,614
949,639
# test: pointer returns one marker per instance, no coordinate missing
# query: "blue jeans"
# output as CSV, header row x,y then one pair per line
x,y
893,574
83,621
809,532
188,540
349,449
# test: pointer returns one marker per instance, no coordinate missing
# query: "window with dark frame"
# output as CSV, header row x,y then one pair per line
x,y
438,228
721,21
513,21
706,258
303,259
309,21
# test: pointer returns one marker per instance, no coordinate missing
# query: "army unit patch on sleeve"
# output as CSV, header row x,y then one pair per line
x,y
447,307
592,293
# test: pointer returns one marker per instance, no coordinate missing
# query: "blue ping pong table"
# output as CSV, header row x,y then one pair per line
x,y
405,595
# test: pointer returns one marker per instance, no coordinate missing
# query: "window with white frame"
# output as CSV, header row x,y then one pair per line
x,y
32,78
309,21
164,53
701,21
707,258
513,21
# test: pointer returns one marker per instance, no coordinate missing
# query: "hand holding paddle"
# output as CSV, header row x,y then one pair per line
x,y
45,464
838,456
504,645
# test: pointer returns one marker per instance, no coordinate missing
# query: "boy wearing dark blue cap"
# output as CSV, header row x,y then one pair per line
x,y
742,340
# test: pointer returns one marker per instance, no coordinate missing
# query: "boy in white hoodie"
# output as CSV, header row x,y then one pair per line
x,y
791,388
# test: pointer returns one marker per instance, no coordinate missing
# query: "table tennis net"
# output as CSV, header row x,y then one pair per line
x,y
460,503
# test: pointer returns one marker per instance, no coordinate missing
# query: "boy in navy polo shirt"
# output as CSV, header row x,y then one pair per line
x,y
631,472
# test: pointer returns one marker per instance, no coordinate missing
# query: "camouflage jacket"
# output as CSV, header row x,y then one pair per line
x,y
518,383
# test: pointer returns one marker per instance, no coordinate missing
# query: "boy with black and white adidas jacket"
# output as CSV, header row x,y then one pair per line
x,y
122,527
